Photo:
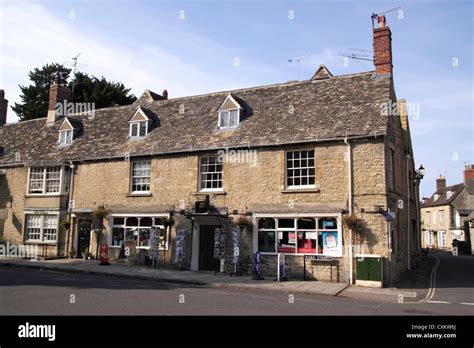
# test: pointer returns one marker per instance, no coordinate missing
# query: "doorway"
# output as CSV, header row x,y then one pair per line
x,y
84,236
207,262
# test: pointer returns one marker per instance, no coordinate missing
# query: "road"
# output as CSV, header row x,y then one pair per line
x,y
454,280
35,292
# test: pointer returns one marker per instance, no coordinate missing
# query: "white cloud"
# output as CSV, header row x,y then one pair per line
x,y
33,37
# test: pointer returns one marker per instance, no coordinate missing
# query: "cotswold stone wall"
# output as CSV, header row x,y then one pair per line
x,y
174,183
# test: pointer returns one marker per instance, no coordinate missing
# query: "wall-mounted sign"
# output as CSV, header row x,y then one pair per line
x,y
318,258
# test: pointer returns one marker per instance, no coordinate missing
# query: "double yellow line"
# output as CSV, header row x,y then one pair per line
x,y
431,291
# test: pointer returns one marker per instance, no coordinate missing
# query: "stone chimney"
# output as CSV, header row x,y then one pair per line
x,y
469,178
57,94
165,94
3,108
382,47
440,183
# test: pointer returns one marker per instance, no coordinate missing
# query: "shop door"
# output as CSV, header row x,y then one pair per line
x,y
84,236
207,262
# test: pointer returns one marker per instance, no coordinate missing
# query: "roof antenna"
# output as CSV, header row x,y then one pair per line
x,y
297,59
75,65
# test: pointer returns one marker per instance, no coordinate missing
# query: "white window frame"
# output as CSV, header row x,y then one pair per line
x,y
308,186
139,216
441,217
138,123
200,172
41,228
316,216
66,137
429,221
442,239
229,111
45,181
132,177
429,238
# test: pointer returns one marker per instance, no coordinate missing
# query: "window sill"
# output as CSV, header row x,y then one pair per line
x,y
33,242
295,254
302,190
29,195
210,193
140,195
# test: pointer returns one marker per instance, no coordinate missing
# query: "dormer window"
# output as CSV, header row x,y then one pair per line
x,y
449,194
229,118
66,132
65,137
139,124
436,196
229,113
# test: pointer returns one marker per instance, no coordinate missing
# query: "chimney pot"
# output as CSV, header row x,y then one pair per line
x,y
381,21
3,108
165,94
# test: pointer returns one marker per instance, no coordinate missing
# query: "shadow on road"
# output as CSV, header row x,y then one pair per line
x,y
15,276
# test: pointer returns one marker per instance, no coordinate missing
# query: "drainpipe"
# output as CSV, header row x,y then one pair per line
x,y
407,157
349,166
69,208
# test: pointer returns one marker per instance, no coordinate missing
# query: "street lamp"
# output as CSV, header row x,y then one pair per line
x,y
419,174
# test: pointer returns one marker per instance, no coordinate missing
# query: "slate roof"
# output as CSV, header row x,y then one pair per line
x,y
323,109
443,196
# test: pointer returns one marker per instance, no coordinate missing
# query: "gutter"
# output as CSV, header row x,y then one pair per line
x,y
349,179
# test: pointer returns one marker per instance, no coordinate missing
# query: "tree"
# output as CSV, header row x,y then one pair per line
x,y
87,89
100,91
35,97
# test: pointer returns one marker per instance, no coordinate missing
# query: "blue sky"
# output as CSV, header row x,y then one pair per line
x,y
193,47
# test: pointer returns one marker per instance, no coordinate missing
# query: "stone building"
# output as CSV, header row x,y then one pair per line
x,y
443,214
279,168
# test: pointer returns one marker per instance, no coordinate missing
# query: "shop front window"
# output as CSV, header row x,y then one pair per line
x,y
308,235
136,229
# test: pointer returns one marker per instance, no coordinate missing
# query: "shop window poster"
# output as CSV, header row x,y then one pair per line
x,y
330,243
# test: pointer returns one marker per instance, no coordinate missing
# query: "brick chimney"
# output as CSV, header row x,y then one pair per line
x,y
382,47
440,183
469,178
3,108
57,94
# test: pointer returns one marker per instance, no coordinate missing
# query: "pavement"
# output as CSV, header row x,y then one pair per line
x,y
209,279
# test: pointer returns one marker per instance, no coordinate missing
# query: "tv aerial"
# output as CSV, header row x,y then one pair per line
x,y
75,65
297,59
